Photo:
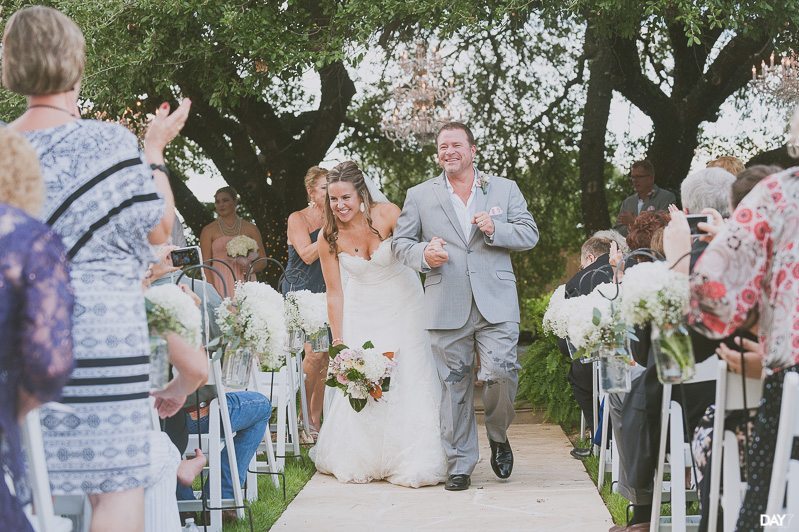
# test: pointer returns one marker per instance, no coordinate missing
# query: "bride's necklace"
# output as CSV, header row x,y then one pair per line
x,y
233,230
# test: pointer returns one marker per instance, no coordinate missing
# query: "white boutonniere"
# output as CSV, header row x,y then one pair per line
x,y
482,182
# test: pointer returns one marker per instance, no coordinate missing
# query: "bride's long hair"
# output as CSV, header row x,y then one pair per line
x,y
346,172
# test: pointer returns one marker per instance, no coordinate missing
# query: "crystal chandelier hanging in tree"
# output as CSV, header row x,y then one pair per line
x,y
778,81
420,103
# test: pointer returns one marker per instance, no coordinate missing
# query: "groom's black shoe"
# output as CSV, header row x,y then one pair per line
x,y
457,483
501,458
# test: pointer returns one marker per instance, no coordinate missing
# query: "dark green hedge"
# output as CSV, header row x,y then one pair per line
x,y
542,380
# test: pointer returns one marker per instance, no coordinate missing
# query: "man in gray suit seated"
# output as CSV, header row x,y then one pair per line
x,y
459,228
648,196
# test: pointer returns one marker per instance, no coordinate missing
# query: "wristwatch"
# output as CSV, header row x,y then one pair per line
x,y
161,167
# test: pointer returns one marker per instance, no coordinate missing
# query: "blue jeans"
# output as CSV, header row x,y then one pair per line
x,y
249,415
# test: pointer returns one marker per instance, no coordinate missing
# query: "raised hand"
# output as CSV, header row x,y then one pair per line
x,y
484,222
626,218
163,128
434,254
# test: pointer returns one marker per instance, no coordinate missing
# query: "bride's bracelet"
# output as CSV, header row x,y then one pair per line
x,y
337,341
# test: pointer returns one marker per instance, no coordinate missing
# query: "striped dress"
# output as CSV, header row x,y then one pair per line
x,y
102,202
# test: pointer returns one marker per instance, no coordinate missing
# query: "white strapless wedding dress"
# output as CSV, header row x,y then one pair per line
x,y
398,438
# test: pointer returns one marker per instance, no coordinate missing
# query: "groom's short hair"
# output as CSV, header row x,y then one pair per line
x,y
456,125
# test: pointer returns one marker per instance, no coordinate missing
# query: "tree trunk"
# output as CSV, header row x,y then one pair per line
x,y
672,151
592,138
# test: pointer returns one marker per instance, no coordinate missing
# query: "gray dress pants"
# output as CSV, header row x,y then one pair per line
x,y
454,352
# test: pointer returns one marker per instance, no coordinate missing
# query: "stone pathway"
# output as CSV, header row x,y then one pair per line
x,y
548,491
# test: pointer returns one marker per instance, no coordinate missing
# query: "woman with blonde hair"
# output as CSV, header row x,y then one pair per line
x,y
303,272
35,315
108,202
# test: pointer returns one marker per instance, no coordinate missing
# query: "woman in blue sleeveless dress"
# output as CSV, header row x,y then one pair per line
x,y
303,272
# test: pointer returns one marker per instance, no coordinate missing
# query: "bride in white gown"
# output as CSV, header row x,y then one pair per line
x,y
398,438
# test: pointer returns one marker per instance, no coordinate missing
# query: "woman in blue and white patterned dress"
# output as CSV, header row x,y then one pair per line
x,y
108,206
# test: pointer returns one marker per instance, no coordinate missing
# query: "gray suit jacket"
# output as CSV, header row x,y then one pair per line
x,y
478,267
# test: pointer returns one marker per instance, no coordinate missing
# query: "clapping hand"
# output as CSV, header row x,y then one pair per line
x,y
434,254
677,240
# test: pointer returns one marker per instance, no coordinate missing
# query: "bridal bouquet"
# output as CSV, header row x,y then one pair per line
x,y
360,373
170,310
307,311
656,295
254,319
241,246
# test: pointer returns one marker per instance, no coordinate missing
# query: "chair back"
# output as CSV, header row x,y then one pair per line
x,y
785,469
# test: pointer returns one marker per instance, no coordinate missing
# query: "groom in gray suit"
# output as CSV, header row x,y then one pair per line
x,y
459,228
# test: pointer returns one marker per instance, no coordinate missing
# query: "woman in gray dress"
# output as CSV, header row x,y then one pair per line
x,y
108,205
303,272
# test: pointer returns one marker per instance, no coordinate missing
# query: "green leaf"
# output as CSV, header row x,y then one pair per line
x,y
336,349
368,345
597,317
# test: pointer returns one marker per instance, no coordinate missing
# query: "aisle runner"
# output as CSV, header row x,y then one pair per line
x,y
548,491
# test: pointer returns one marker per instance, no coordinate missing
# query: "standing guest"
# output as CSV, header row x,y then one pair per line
x,y
304,272
752,264
35,315
108,205
732,164
215,236
648,196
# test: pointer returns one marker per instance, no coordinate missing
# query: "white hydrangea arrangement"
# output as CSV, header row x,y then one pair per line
x,y
254,318
654,293
170,310
311,311
556,316
240,246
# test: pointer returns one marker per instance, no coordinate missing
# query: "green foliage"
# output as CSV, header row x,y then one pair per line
x,y
542,380
270,504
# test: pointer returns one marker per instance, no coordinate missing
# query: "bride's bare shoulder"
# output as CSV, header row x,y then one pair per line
x,y
385,211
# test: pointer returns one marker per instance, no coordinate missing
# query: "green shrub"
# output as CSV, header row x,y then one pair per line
x,y
542,379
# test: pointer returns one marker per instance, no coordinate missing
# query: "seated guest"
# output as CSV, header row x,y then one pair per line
x,y
594,270
36,304
644,227
732,164
647,197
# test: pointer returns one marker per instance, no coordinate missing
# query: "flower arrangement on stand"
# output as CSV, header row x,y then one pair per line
x,y
169,310
312,309
593,327
658,296
360,373
253,325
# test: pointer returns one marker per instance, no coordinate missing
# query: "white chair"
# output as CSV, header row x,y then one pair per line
x,y
731,394
45,519
608,461
281,388
218,438
675,491
785,469
271,467
300,371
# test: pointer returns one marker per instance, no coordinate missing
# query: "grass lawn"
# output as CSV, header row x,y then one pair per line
x,y
270,504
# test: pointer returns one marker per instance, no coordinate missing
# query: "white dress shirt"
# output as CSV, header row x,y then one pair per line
x,y
465,212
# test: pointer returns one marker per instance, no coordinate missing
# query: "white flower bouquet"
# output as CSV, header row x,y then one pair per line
x,y
170,310
658,296
254,319
241,246
360,373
